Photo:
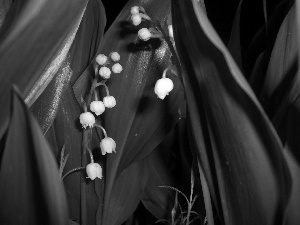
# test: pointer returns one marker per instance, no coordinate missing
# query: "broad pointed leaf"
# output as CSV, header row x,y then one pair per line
x,y
256,79
280,96
263,40
46,105
126,193
139,121
282,70
293,158
58,111
157,200
143,64
30,46
65,131
170,165
234,45
31,191
231,128
88,37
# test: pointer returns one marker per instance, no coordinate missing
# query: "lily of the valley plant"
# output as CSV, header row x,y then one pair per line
x,y
128,110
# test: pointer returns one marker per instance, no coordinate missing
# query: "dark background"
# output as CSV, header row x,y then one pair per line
x,y
221,13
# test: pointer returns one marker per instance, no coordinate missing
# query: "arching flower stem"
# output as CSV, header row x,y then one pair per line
x,y
164,75
175,59
91,154
84,107
104,132
145,16
96,96
103,84
93,87
71,171
96,70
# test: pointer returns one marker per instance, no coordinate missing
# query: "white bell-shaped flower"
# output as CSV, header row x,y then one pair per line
x,y
107,145
134,10
97,107
136,19
94,170
163,86
101,59
115,56
109,101
87,119
105,72
144,34
117,68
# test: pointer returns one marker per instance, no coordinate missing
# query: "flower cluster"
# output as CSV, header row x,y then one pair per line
x,y
93,106
138,14
102,60
88,120
164,85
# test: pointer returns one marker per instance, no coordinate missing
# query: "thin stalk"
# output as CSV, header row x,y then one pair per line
x,y
165,72
157,25
103,84
83,204
96,96
191,198
144,16
206,195
176,61
102,128
94,84
265,16
91,155
71,171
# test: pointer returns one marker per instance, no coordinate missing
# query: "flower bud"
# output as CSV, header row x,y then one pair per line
x,y
87,119
107,145
170,27
115,56
94,170
162,87
134,10
105,72
117,68
109,101
136,19
101,59
144,34
97,107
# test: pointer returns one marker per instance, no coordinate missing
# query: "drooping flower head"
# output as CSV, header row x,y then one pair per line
x,y
109,101
101,59
105,72
136,19
144,34
94,170
107,145
87,119
134,10
117,68
115,56
97,107
163,86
